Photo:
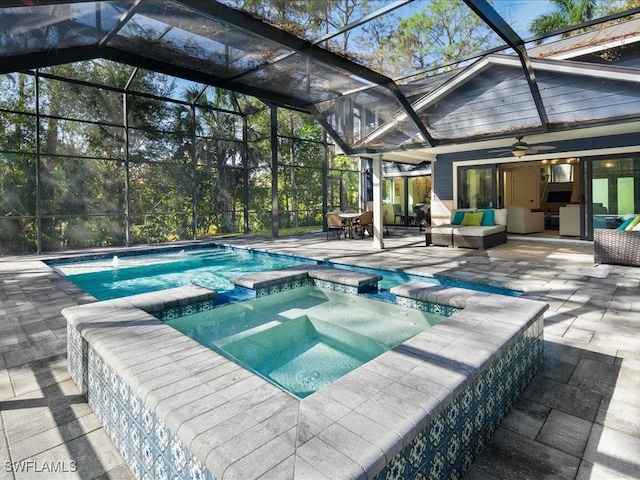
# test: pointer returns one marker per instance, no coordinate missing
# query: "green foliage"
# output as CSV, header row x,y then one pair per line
x,y
180,158
441,32
565,13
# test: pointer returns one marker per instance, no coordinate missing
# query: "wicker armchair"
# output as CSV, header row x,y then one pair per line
x,y
621,247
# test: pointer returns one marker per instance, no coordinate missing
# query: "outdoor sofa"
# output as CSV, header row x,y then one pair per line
x,y
483,229
619,246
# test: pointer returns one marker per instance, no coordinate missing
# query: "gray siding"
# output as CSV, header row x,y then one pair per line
x,y
443,167
496,100
499,100
571,98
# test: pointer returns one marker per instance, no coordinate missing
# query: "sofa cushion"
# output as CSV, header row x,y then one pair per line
x,y
457,218
469,231
633,223
489,217
472,219
458,214
445,229
500,216
625,224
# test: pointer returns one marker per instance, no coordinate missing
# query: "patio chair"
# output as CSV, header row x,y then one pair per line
x,y
423,216
397,212
365,224
334,224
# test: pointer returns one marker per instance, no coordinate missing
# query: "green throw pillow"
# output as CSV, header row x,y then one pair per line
x,y
473,219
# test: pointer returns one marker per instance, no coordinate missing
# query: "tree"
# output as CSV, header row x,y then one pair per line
x,y
610,7
564,14
444,31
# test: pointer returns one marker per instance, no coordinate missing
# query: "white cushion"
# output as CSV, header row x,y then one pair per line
x,y
473,231
500,216
445,229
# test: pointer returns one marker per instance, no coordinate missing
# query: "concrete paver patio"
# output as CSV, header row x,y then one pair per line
x,y
578,419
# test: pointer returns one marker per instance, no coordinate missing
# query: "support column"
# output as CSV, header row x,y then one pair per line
x,y
38,170
275,223
245,172
378,213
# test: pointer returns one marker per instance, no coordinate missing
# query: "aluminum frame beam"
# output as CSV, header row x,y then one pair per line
x,y
489,16
160,66
244,21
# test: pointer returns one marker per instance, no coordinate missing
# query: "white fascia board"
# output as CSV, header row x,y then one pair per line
x,y
627,74
412,157
619,42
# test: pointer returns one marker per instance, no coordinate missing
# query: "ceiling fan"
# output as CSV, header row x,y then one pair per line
x,y
520,148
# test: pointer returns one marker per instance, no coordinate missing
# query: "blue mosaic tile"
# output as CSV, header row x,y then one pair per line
x,y
161,439
161,470
436,308
452,449
436,430
396,468
150,449
147,422
449,444
445,449
196,470
182,310
437,467
146,454
178,456
418,452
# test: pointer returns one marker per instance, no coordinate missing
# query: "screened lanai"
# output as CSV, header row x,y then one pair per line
x,y
137,121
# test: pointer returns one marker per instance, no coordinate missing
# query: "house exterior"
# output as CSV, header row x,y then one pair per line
x,y
590,86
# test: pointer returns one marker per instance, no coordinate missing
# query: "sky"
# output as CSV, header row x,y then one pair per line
x,y
520,13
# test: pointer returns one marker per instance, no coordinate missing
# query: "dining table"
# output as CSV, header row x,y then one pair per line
x,y
350,219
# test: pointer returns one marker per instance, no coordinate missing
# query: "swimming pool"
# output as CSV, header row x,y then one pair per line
x,y
427,406
118,276
108,277
305,338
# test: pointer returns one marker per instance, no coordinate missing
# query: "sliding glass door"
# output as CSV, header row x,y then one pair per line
x,y
480,186
614,191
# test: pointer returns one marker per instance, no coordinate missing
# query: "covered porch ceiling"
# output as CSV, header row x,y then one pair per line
x,y
364,108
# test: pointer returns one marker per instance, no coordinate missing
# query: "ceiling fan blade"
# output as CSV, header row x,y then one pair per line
x,y
540,148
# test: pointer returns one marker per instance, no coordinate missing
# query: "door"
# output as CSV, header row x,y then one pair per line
x,y
480,187
525,187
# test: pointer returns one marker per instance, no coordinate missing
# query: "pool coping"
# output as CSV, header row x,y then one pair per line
x,y
238,424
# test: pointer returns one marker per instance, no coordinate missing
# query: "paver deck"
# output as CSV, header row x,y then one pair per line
x,y
578,419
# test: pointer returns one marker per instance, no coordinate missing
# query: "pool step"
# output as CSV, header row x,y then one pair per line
x,y
246,333
264,280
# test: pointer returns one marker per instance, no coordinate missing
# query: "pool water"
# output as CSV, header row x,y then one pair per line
x,y
116,277
305,338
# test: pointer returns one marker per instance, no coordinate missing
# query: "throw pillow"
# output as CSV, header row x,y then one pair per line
x,y
636,228
625,224
472,219
457,217
633,223
489,218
